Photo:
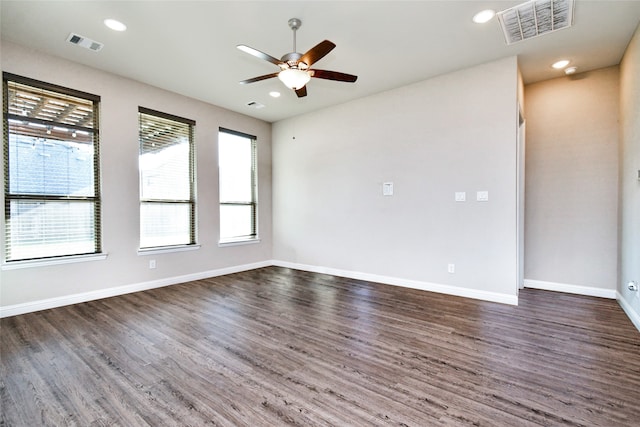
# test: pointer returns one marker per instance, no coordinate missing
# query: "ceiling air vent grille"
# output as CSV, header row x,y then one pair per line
x,y
85,42
255,105
535,18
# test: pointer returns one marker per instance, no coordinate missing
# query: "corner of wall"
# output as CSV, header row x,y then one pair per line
x,y
632,312
629,184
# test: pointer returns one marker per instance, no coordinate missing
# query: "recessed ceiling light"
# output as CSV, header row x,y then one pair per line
x,y
274,94
114,24
570,70
484,16
560,64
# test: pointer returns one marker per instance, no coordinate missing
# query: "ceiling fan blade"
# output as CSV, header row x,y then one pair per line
x,y
258,54
301,92
333,75
257,79
317,52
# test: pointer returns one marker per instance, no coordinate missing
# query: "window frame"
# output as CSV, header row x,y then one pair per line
x,y
192,184
96,199
253,203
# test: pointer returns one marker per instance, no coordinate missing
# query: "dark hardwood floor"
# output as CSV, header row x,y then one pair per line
x,y
276,347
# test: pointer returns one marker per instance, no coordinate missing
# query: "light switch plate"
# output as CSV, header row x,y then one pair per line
x,y
387,188
482,196
461,196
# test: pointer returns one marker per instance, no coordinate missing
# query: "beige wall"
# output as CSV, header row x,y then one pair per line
x,y
629,179
452,133
571,180
456,132
119,156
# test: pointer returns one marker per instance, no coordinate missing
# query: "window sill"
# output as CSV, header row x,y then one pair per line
x,y
239,242
168,249
14,265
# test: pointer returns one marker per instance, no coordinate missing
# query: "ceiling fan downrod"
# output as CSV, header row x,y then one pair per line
x,y
294,24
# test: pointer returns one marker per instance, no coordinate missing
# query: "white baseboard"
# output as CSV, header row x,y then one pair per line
x,y
13,310
570,289
16,309
633,315
406,283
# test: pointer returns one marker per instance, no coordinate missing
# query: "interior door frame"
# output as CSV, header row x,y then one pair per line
x,y
520,199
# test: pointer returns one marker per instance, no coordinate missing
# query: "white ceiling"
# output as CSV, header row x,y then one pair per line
x,y
189,47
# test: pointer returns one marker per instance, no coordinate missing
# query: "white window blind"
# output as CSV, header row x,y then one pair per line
x,y
51,159
167,201
237,163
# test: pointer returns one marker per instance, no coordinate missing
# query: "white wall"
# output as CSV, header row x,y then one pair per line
x,y
629,179
571,182
119,156
456,132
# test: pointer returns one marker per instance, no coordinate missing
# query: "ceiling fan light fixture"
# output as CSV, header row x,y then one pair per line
x,y
294,78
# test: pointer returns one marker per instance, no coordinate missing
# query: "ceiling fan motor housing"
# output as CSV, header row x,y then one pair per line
x,y
292,59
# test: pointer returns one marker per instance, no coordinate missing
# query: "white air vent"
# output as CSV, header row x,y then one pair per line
x,y
85,42
255,104
535,18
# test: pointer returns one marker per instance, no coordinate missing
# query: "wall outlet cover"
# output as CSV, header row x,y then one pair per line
x,y
482,196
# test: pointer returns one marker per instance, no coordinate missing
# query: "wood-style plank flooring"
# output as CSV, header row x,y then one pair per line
x,y
275,346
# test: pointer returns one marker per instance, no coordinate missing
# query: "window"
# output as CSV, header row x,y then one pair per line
x,y
51,158
238,186
167,200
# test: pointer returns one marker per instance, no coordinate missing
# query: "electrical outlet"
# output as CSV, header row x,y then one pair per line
x,y
482,196
152,263
451,268
633,287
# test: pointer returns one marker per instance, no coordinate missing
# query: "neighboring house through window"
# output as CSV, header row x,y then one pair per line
x,y
167,191
237,163
51,167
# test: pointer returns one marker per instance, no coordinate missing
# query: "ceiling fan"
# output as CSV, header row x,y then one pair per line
x,y
295,68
